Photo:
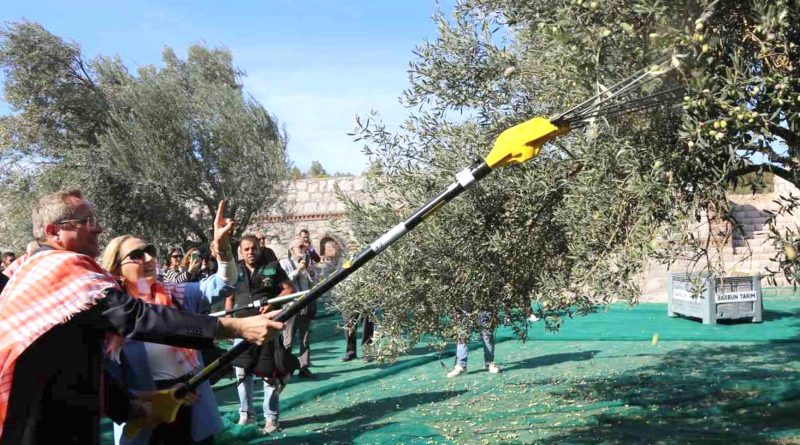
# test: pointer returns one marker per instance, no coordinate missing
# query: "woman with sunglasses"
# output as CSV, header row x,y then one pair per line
x,y
146,366
175,271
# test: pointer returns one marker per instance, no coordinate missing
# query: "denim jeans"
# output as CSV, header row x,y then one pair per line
x,y
462,351
246,390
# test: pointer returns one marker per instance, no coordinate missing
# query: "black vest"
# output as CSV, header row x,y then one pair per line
x,y
271,359
264,282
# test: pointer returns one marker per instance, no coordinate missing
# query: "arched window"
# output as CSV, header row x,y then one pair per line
x,y
329,249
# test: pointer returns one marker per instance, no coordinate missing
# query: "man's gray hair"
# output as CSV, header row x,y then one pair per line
x,y
51,209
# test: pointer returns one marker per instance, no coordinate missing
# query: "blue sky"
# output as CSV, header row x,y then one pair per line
x,y
315,64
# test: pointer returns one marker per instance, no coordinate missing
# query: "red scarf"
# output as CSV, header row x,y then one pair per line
x,y
44,290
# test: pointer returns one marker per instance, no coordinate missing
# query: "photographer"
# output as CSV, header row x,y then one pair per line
x,y
311,254
208,264
300,271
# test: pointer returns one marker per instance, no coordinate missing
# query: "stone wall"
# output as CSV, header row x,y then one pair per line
x,y
747,253
312,204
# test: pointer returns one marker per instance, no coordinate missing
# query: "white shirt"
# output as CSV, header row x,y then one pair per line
x,y
163,361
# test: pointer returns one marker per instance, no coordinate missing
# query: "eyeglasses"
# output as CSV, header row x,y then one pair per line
x,y
137,255
177,256
92,222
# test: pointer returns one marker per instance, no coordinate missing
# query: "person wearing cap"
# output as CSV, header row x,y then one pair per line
x,y
300,271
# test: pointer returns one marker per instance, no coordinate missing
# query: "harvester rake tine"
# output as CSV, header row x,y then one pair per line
x,y
636,104
621,89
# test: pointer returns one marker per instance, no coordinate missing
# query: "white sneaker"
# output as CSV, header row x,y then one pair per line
x,y
492,368
457,370
245,419
270,427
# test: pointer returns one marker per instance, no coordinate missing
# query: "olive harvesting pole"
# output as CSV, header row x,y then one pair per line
x,y
515,145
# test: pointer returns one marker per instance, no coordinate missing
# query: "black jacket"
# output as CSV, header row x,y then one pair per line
x,y
55,394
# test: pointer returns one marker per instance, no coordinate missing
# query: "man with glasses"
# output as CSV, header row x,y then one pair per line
x,y
57,309
301,273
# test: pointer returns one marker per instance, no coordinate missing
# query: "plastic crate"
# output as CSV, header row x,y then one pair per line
x,y
726,298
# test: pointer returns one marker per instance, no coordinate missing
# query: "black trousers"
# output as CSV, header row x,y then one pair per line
x,y
350,335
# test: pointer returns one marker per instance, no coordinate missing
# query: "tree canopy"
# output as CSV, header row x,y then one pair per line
x,y
154,149
569,231
316,170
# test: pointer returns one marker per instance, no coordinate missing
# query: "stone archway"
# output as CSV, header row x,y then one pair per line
x,y
329,249
333,246
332,251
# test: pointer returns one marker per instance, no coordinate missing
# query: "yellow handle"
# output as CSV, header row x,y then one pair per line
x,y
522,142
165,408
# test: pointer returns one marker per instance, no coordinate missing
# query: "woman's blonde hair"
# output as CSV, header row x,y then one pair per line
x,y
187,258
109,260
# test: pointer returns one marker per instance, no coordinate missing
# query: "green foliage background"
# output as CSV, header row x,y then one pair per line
x,y
154,150
569,231
561,235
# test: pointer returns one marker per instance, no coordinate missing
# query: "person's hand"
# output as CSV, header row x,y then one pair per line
x,y
301,265
142,403
194,265
257,329
266,309
223,227
190,398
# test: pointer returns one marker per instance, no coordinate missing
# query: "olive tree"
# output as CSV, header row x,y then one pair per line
x,y
570,231
155,149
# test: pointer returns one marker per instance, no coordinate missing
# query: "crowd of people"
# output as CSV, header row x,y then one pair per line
x,y
85,333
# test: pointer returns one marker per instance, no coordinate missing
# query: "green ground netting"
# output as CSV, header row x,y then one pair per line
x,y
600,380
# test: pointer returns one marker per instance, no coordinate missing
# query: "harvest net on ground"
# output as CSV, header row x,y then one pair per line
x,y
601,379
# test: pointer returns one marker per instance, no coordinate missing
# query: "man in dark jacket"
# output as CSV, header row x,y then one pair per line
x,y
260,277
54,314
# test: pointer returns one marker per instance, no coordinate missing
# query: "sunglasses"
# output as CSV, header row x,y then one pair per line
x,y
177,256
137,255
92,222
